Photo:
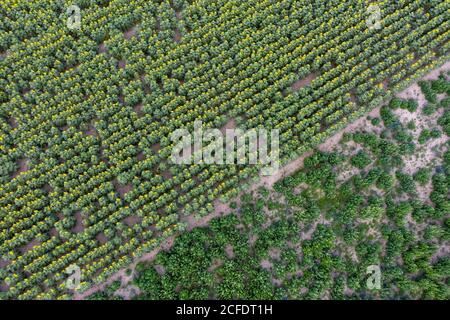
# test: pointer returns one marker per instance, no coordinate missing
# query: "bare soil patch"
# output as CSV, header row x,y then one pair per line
x,y
13,122
177,36
29,246
102,48
4,263
101,238
140,156
79,227
131,32
231,124
132,220
23,166
229,251
138,109
303,82
266,265
122,190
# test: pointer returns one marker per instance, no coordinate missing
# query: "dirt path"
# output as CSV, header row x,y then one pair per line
x,y
265,181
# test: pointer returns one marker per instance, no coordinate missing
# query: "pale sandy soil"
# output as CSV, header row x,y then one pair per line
x,y
229,251
443,251
140,156
427,153
223,208
252,240
160,269
331,143
275,254
231,124
128,292
122,274
307,234
266,265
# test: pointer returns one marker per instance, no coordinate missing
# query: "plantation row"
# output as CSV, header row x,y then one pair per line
x,y
90,112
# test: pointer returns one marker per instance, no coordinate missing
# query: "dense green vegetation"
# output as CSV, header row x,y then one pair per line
x,y
86,116
315,234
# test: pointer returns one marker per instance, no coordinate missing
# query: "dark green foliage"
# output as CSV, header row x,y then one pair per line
x,y
376,121
385,181
427,90
430,108
444,122
361,160
422,176
406,182
411,125
410,105
388,117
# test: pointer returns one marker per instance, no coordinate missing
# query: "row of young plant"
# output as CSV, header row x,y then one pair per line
x,y
77,125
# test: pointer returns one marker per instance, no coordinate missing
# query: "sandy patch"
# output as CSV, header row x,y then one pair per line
x,y
177,36
128,292
229,251
266,265
331,143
